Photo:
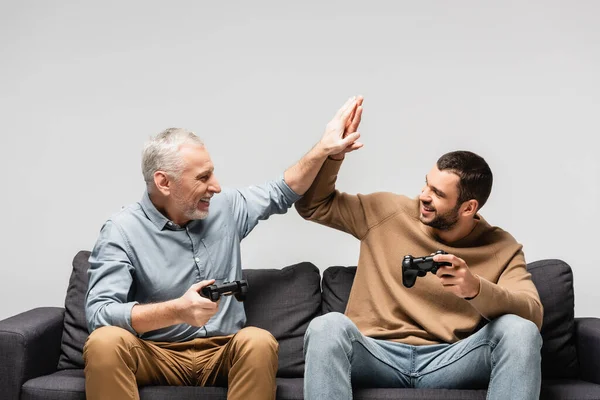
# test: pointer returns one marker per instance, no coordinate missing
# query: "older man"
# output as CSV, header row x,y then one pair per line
x,y
148,323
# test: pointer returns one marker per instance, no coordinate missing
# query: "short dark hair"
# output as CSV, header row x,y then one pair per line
x,y
475,175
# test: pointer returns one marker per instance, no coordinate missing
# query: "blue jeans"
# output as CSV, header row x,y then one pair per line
x,y
503,356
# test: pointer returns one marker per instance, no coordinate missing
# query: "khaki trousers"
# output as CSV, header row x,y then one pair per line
x,y
117,362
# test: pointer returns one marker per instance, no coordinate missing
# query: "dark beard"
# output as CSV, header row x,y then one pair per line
x,y
445,222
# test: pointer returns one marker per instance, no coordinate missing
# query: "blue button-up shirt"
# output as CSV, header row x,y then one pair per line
x,y
142,257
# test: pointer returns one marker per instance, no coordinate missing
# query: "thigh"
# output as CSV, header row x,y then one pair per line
x,y
112,348
469,362
466,364
459,367
250,347
378,363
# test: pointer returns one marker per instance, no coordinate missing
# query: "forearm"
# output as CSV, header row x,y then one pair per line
x,y
301,175
494,301
315,203
149,317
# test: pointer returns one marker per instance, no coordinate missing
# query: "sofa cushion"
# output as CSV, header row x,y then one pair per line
x,y
284,301
554,282
75,331
70,385
337,282
62,385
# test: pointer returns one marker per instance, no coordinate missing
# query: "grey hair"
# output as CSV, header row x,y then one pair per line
x,y
161,153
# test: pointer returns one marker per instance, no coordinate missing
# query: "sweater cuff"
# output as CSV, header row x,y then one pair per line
x,y
484,300
331,167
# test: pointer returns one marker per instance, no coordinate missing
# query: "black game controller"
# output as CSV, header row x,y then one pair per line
x,y
236,288
413,267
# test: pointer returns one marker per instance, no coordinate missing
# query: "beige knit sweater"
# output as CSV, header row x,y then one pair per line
x,y
389,228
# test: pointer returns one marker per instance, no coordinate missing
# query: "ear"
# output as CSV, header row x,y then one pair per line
x,y
162,181
469,208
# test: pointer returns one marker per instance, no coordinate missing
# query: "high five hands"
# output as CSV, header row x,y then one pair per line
x,y
341,134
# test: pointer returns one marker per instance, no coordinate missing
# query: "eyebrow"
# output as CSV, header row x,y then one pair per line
x,y
435,190
205,172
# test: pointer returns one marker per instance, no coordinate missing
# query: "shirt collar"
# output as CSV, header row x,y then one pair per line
x,y
154,215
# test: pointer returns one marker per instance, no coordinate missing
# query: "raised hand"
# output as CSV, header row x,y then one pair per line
x,y
341,134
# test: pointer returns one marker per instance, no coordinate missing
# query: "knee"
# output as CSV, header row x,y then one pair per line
x,y
328,329
257,340
105,344
519,333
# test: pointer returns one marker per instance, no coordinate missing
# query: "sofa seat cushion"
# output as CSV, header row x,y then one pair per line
x,y
284,301
292,389
418,394
70,385
559,389
554,282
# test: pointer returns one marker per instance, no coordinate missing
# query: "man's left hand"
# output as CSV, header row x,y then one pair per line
x,y
457,278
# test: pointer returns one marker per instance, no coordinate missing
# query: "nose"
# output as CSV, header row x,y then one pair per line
x,y
214,186
425,195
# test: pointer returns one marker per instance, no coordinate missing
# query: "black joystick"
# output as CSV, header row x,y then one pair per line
x,y
237,288
413,267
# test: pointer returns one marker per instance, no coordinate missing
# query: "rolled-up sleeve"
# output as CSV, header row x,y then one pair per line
x,y
255,203
110,279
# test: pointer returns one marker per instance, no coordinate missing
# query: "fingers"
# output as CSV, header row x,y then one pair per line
x,y
354,146
447,270
348,111
444,272
451,258
207,304
345,107
359,101
199,285
351,138
350,142
355,119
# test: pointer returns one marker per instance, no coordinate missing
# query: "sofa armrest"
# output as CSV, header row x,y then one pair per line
x,y
29,347
587,335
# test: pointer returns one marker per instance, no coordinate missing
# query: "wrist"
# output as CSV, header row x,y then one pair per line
x,y
321,150
337,157
175,309
477,288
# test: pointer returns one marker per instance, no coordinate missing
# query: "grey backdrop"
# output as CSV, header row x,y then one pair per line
x,y
82,86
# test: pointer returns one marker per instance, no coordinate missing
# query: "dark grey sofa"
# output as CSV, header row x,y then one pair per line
x,y
40,350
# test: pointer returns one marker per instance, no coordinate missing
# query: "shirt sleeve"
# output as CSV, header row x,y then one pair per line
x,y
110,279
255,203
514,293
353,214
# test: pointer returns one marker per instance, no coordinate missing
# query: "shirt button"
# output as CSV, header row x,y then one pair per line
x,y
197,259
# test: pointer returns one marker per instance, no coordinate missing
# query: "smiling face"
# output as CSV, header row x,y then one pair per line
x,y
439,207
189,195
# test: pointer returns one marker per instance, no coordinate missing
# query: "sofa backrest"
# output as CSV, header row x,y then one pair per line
x,y
282,301
554,282
294,298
